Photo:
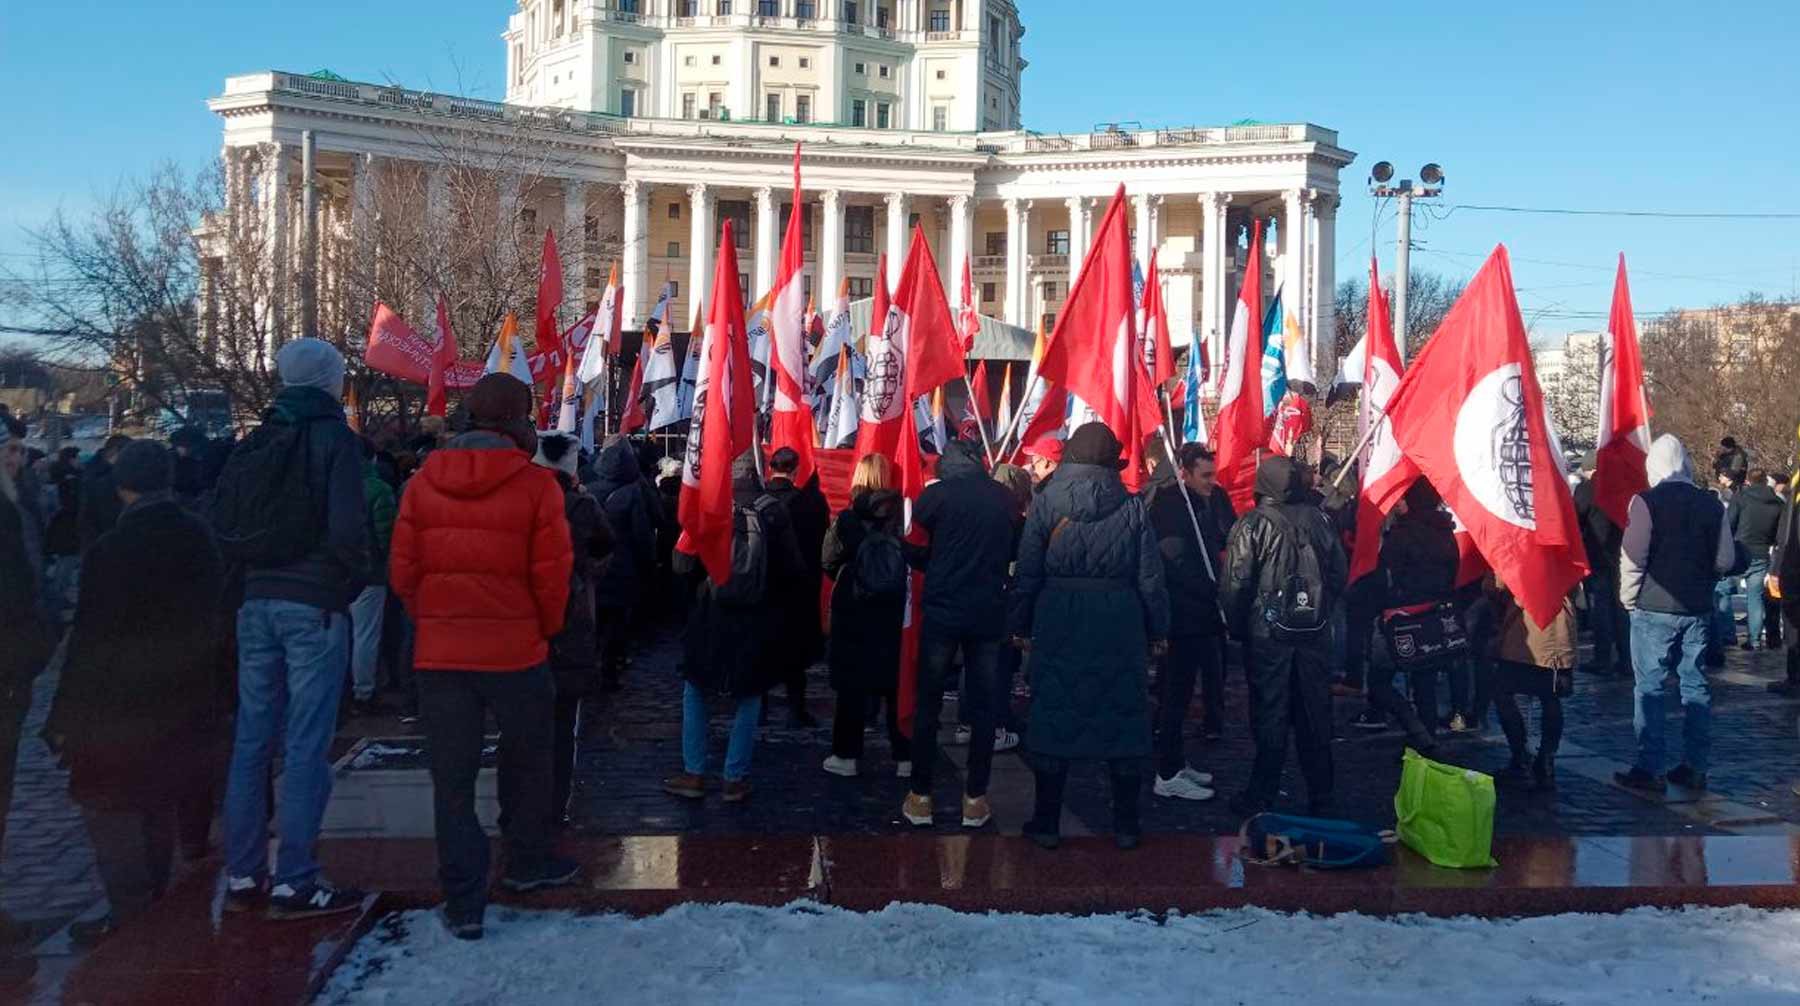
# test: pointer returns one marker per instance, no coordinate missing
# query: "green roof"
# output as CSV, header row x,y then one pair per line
x,y
327,75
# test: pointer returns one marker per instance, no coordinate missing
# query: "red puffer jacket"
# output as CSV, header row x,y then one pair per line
x,y
481,558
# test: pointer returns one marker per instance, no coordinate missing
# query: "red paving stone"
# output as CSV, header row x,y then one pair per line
x,y
187,953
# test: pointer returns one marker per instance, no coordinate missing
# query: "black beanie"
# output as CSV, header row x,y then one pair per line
x,y
143,467
1094,444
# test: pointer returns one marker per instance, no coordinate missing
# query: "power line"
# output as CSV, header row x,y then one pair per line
x,y
1663,214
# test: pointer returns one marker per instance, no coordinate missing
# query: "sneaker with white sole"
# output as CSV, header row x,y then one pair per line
x,y
917,810
1195,776
975,812
845,767
312,899
1004,740
903,770
244,894
1180,787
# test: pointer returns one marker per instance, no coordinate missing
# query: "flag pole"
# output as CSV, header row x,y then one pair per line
x,y
980,424
1013,423
1361,445
1193,517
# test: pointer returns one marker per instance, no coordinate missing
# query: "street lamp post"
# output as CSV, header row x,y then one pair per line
x,y
1432,178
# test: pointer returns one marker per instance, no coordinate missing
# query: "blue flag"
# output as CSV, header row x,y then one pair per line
x,y
1191,419
1274,361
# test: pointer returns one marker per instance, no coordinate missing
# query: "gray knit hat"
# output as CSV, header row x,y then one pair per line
x,y
311,363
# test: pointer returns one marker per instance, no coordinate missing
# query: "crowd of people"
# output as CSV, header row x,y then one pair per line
x,y
221,597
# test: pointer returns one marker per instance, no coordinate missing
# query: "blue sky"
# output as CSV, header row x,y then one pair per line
x,y
1647,105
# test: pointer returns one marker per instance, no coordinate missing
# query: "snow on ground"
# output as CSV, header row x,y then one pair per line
x,y
807,953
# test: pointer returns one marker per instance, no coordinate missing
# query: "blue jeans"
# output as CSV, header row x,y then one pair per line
x,y
1754,583
291,670
1659,644
693,734
1724,616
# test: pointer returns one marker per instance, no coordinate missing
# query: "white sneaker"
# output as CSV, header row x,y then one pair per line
x,y
961,735
1004,740
1195,776
903,770
1181,788
845,767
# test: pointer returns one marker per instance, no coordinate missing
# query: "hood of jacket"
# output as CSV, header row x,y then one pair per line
x,y
1759,493
1668,460
301,402
877,508
474,465
617,464
1085,492
1280,480
959,461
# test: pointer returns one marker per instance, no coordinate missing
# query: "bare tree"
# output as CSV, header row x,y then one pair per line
x,y
1731,371
1572,394
1429,296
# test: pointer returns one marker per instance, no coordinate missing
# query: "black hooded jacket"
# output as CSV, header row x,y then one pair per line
x,y
618,486
1755,514
1193,589
1256,564
969,517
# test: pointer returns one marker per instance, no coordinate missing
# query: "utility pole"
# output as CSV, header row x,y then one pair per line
x,y
309,239
1379,176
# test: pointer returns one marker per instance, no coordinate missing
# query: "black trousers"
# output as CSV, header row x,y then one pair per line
x,y
1052,776
568,729
1290,691
852,714
981,656
1190,658
1512,680
1362,605
1790,628
15,703
134,849
615,626
454,706
1610,624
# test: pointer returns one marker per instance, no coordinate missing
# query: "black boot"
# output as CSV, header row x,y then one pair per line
x,y
1518,773
1127,831
1543,771
1045,826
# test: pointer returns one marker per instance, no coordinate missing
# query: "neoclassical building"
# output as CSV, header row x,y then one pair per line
x,y
634,127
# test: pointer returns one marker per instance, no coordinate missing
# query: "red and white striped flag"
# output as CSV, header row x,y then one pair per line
x,y
793,425
1624,440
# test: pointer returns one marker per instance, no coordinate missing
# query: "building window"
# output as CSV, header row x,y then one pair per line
x,y
859,112
593,277
850,11
802,108
1050,292
859,229
941,75
774,60
674,211
715,61
806,10
628,6
994,36
1049,322
881,115
715,103
688,103
738,212
688,8
724,8
806,226
883,70
590,228
881,17
773,112
940,118
687,61
861,287
996,242
940,20
1056,243
862,68
990,292
630,57
768,8
674,249
805,63
674,289
528,217
628,103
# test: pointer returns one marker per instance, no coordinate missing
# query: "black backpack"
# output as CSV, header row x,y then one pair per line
x,y
749,582
1296,609
880,573
264,512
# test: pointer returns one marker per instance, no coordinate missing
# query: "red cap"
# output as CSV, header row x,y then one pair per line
x,y
1047,447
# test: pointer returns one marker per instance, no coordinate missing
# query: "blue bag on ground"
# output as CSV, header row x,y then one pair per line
x,y
1319,842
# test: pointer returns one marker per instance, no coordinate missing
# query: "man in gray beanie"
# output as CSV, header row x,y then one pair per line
x,y
304,565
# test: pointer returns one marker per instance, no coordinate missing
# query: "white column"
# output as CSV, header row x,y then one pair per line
x,y
1149,226
1078,235
831,246
362,221
437,235
275,212
962,221
572,245
1018,225
636,241
1214,267
1293,252
897,237
766,251
1324,297
702,245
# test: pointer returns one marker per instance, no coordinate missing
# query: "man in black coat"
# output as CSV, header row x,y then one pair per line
x,y
969,518
140,711
1601,538
618,484
1290,686
1419,560
99,497
1196,630
1784,582
798,606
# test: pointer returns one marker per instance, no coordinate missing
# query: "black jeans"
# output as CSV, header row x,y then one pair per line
x,y
134,849
1362,604
981,658
853,706
454,706
1190,658
1052,775
1512,680
615,627
568,729
1610,624
1290,689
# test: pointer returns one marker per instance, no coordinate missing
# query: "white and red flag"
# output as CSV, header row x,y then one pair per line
x,y
1624,411
507,355
978,393
602,341
634,417
568,417
968,320
884,377
724,423
1159,355
1004,411
1241,427
1094,351
443,357
1469,415
793,424
1386,473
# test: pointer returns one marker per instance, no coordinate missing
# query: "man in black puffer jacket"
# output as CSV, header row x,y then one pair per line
x,y
1755,514
1290,683
1418,566
618,485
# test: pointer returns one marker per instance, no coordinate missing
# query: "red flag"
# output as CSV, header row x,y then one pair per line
x,y
968,319
978,393
1469,414
1156,328
1241,428
883,393
723,425
1470,566
1386,473
930,347
634,418
1094,351
1624,412
1292,419
912,482
443,357
792,424
549,296
395,349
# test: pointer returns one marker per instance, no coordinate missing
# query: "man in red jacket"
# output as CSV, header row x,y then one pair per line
x,y
481,558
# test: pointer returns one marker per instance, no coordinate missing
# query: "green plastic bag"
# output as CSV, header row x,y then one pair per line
x,y
1446,813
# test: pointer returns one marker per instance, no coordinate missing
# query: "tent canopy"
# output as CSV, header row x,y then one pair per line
x,y
996,341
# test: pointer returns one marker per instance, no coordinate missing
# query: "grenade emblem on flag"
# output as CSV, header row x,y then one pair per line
x,y
1512,449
